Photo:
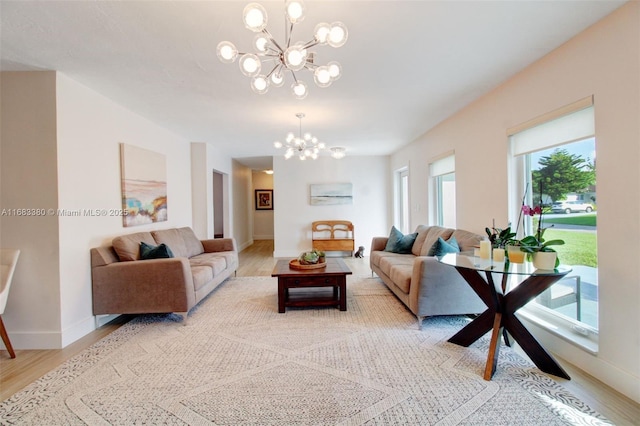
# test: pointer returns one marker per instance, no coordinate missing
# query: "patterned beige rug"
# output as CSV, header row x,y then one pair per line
x,y
240,362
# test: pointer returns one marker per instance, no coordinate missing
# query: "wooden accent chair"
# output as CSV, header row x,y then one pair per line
x,y
333,235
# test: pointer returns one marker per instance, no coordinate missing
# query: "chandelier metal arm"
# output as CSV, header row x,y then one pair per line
x,y
289,34
273,40
294,76
311,43
273,70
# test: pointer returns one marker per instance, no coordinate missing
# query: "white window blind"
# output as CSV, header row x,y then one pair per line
x,y
571,127
443,166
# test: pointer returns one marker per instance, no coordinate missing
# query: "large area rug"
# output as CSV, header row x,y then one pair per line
x,y
240,362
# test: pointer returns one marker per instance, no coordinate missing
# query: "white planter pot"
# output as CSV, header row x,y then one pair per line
x,y
544,260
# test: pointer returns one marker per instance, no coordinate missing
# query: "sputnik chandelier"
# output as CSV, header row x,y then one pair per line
x,y
305,145
268,65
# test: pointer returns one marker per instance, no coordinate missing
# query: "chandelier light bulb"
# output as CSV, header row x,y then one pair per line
x,y
300,90
295,57
277,79
335,70
322,76
260,84
250,65
322,145
295,11
278,144
227,52
338,34
261,42
321,32
307,136
254,17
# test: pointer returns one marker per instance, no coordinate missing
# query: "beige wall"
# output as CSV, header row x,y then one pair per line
x,y
242,205
29,179
262,219
603,61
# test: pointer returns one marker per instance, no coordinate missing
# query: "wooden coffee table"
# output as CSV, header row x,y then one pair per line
x,y
312,280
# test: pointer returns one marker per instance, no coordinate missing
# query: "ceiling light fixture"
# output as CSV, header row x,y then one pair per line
x,y
338,152
304,145
284,56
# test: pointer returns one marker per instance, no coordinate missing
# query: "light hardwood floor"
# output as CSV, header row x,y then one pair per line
x,y
257,260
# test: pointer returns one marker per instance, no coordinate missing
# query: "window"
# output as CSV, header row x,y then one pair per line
x,y
444,183
402,200
554,166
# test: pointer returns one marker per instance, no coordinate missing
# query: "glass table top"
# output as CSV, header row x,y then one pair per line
x,y
469,261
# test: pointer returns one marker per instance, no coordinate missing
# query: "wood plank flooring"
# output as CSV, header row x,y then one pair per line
x,y
257,260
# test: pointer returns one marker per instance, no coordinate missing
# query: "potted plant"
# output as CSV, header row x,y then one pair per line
x,y
321,255
539,249
500,238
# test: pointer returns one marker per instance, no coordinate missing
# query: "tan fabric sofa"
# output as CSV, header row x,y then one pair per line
x,y
124,284
424,285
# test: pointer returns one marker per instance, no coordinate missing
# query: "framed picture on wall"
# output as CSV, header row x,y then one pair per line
x,y
264,199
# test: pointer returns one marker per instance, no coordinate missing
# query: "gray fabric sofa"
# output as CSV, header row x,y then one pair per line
x,y
122,283
424,285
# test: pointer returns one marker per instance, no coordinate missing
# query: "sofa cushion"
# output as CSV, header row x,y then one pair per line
x,y
422,231
215,262
148,251
442,247
192,243
401,276
388,262
172,238
433,234
127,247
467,240
400,243
202,275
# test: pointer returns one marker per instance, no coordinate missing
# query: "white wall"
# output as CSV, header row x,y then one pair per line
x,y
262,219
603,61
51,308
294,213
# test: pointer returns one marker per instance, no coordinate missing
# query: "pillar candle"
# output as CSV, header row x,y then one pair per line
x,y
485,249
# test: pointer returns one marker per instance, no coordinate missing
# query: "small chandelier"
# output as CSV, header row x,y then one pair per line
x,y
277,58
305,146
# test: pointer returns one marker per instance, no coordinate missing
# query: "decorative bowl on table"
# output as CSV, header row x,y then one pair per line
x,y
309,260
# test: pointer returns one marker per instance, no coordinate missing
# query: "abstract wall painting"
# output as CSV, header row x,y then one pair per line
x,y
330,194
144,185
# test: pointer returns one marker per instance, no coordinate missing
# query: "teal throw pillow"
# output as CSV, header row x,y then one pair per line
x,y
400,243
442,247
148,251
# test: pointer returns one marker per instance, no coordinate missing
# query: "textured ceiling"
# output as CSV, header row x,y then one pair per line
x,y
406,66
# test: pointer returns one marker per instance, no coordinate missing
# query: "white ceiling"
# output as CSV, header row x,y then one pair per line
x,y
406,66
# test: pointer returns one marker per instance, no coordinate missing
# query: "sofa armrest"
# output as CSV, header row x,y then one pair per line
x,y
440,288
379,243
143,286
219,244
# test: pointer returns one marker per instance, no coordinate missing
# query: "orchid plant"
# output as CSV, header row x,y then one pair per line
x,y
536,243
